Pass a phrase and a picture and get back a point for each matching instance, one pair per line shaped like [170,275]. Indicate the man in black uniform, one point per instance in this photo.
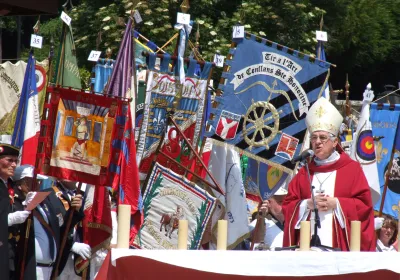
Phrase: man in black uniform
[8,218]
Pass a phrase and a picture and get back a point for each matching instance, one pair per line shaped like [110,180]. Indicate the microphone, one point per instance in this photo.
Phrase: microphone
[304,155]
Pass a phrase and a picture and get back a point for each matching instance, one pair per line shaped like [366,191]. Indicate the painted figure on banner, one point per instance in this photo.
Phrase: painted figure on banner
[171,220]
[341,190]
[81,127]
[82,135]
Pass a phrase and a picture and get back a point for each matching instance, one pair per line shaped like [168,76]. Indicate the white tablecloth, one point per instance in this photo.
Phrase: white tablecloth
[265,263]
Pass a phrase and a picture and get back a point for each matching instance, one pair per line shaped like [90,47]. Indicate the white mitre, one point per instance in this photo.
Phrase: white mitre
[323,116]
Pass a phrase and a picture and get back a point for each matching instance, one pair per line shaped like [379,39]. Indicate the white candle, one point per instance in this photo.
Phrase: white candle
[182,234]
[222,237]
[124,225]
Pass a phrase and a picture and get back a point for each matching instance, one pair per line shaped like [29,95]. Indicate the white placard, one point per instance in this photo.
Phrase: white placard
[219,60]
[183,18]
[238,32]
[137,17]
[321,36]
[65,18]
[94,56]
[368,95]
[36,41]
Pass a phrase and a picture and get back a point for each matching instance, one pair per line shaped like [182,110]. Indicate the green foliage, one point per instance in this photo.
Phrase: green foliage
[199,229]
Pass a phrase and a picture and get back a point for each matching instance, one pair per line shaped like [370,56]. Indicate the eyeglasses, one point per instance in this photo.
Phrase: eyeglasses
[11,160]
[322,138]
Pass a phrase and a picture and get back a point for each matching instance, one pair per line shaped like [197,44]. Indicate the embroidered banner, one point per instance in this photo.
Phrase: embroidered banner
[11,81]
[169,198]
[266,96]
[160,95]
[80,128]
[263,180]
[384,121]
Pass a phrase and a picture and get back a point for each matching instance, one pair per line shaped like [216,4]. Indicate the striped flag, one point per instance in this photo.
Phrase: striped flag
[27,122]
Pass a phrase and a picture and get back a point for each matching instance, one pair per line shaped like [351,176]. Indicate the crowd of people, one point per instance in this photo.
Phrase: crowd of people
[32,239]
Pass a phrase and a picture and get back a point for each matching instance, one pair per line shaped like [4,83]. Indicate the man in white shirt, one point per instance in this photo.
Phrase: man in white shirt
[270,230]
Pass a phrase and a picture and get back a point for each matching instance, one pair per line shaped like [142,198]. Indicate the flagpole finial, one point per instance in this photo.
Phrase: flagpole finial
[66,4]
[185,6]
[108,53]
[36,27]
[321,23]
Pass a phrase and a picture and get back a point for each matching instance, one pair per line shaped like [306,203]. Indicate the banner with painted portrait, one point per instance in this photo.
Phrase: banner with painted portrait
[169,198]
[80,132]
[267,92]
[162,90]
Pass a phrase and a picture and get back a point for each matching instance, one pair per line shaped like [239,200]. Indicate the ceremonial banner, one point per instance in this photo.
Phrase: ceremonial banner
[169,198]
[392,198]
[120,83]
[266,96]
[123,168]
[224,165]
[384,120]
[263,180]
[11,81]
[102,72]
[160,95]
[81,126]
[363,151]
[67,71]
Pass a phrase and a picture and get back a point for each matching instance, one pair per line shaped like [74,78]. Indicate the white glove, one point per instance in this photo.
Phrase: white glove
[29,198]
[82,250]
[17,217]
[378,222]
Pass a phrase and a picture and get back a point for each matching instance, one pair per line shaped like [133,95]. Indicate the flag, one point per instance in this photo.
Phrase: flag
[225,167]
[384,120]
[363,151]
[126,173]
[120,83]
[392,197]
[267,92]
[96,225]
[27,123]
[67,71]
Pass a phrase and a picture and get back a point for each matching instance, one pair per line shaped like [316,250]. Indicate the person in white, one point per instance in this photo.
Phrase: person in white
[386,235]
[271,228]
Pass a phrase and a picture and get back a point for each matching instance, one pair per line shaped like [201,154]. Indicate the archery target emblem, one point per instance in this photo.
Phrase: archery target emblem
[40,74]
[365,146]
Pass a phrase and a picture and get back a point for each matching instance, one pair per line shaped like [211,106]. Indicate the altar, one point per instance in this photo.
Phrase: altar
[237,265]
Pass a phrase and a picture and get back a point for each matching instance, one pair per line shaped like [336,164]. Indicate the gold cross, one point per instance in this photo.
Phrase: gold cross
[320,112]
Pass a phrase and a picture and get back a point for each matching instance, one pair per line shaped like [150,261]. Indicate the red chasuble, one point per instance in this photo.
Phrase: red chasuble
[352,191]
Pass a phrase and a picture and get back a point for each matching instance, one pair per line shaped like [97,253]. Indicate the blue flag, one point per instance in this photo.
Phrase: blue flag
[384,120]
[266,96]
